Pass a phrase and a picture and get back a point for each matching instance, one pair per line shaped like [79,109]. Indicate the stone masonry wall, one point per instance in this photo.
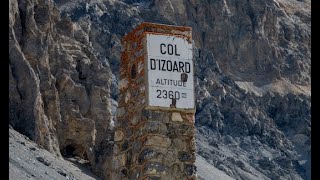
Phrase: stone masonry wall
[149,144]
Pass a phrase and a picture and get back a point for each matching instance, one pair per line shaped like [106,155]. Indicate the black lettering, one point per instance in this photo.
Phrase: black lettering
[165,96]
[158,81]
[181,65]
[159,64]
[159,91]
[175,83]
[177,95]
[169,67]
[188,67]
[170,49]
[161,50]
[152,64]
[170,94]
[163,65]
[175,67]
[176,51]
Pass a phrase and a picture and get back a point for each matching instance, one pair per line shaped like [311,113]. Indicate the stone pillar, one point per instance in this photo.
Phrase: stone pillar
[150,142]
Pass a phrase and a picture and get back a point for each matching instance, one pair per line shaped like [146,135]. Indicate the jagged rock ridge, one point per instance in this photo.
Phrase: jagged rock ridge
[252,62]
[59,88]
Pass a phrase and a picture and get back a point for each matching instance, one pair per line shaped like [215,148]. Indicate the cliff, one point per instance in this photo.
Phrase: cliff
[252,77]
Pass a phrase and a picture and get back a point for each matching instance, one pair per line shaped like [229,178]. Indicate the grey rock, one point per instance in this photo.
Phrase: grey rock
[252,77]
[147,154]
[24,164]
[190,169]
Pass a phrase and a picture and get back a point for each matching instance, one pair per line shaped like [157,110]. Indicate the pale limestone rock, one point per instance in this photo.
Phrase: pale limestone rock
[119,135]
[119,160]
[176,117]
[161,141]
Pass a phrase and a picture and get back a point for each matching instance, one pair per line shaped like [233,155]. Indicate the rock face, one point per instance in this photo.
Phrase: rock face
[59,88]
[252,77]
[28,160]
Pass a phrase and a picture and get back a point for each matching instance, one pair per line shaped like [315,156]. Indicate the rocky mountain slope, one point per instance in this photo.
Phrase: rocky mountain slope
[28,160]
[252,68]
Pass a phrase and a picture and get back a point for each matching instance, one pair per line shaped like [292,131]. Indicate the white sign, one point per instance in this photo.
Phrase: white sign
[170,72]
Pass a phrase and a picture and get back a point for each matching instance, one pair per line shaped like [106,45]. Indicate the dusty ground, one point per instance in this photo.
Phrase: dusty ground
[29,161]
[208,172]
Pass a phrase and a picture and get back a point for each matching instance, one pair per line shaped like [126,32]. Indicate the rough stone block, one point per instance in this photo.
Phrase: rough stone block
[146,113]
[124,145]
[186,156]
[185,130]
[150,127]
[163,130]
[147,154]
[180,144]
[140,81]
[119,135]
[192,144]
[158,141]
[116,149]
[121,112]
[123,84]
[135,119]
[176,130]
[171,130]
[176,117]
[189,118]
[127,97]
[152,178]
[156,115]
[190,169]
[170,157]
[119,160]
[184,143]
[140,101]
[129,132]
[123,172]
[136,147]
[154,168]
[140,67]
[135,93]
[135,174]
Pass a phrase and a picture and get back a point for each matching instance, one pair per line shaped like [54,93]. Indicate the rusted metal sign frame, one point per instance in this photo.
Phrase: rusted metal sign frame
[188,110]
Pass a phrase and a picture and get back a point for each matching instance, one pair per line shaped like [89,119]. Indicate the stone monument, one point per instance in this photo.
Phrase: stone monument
[154,129]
